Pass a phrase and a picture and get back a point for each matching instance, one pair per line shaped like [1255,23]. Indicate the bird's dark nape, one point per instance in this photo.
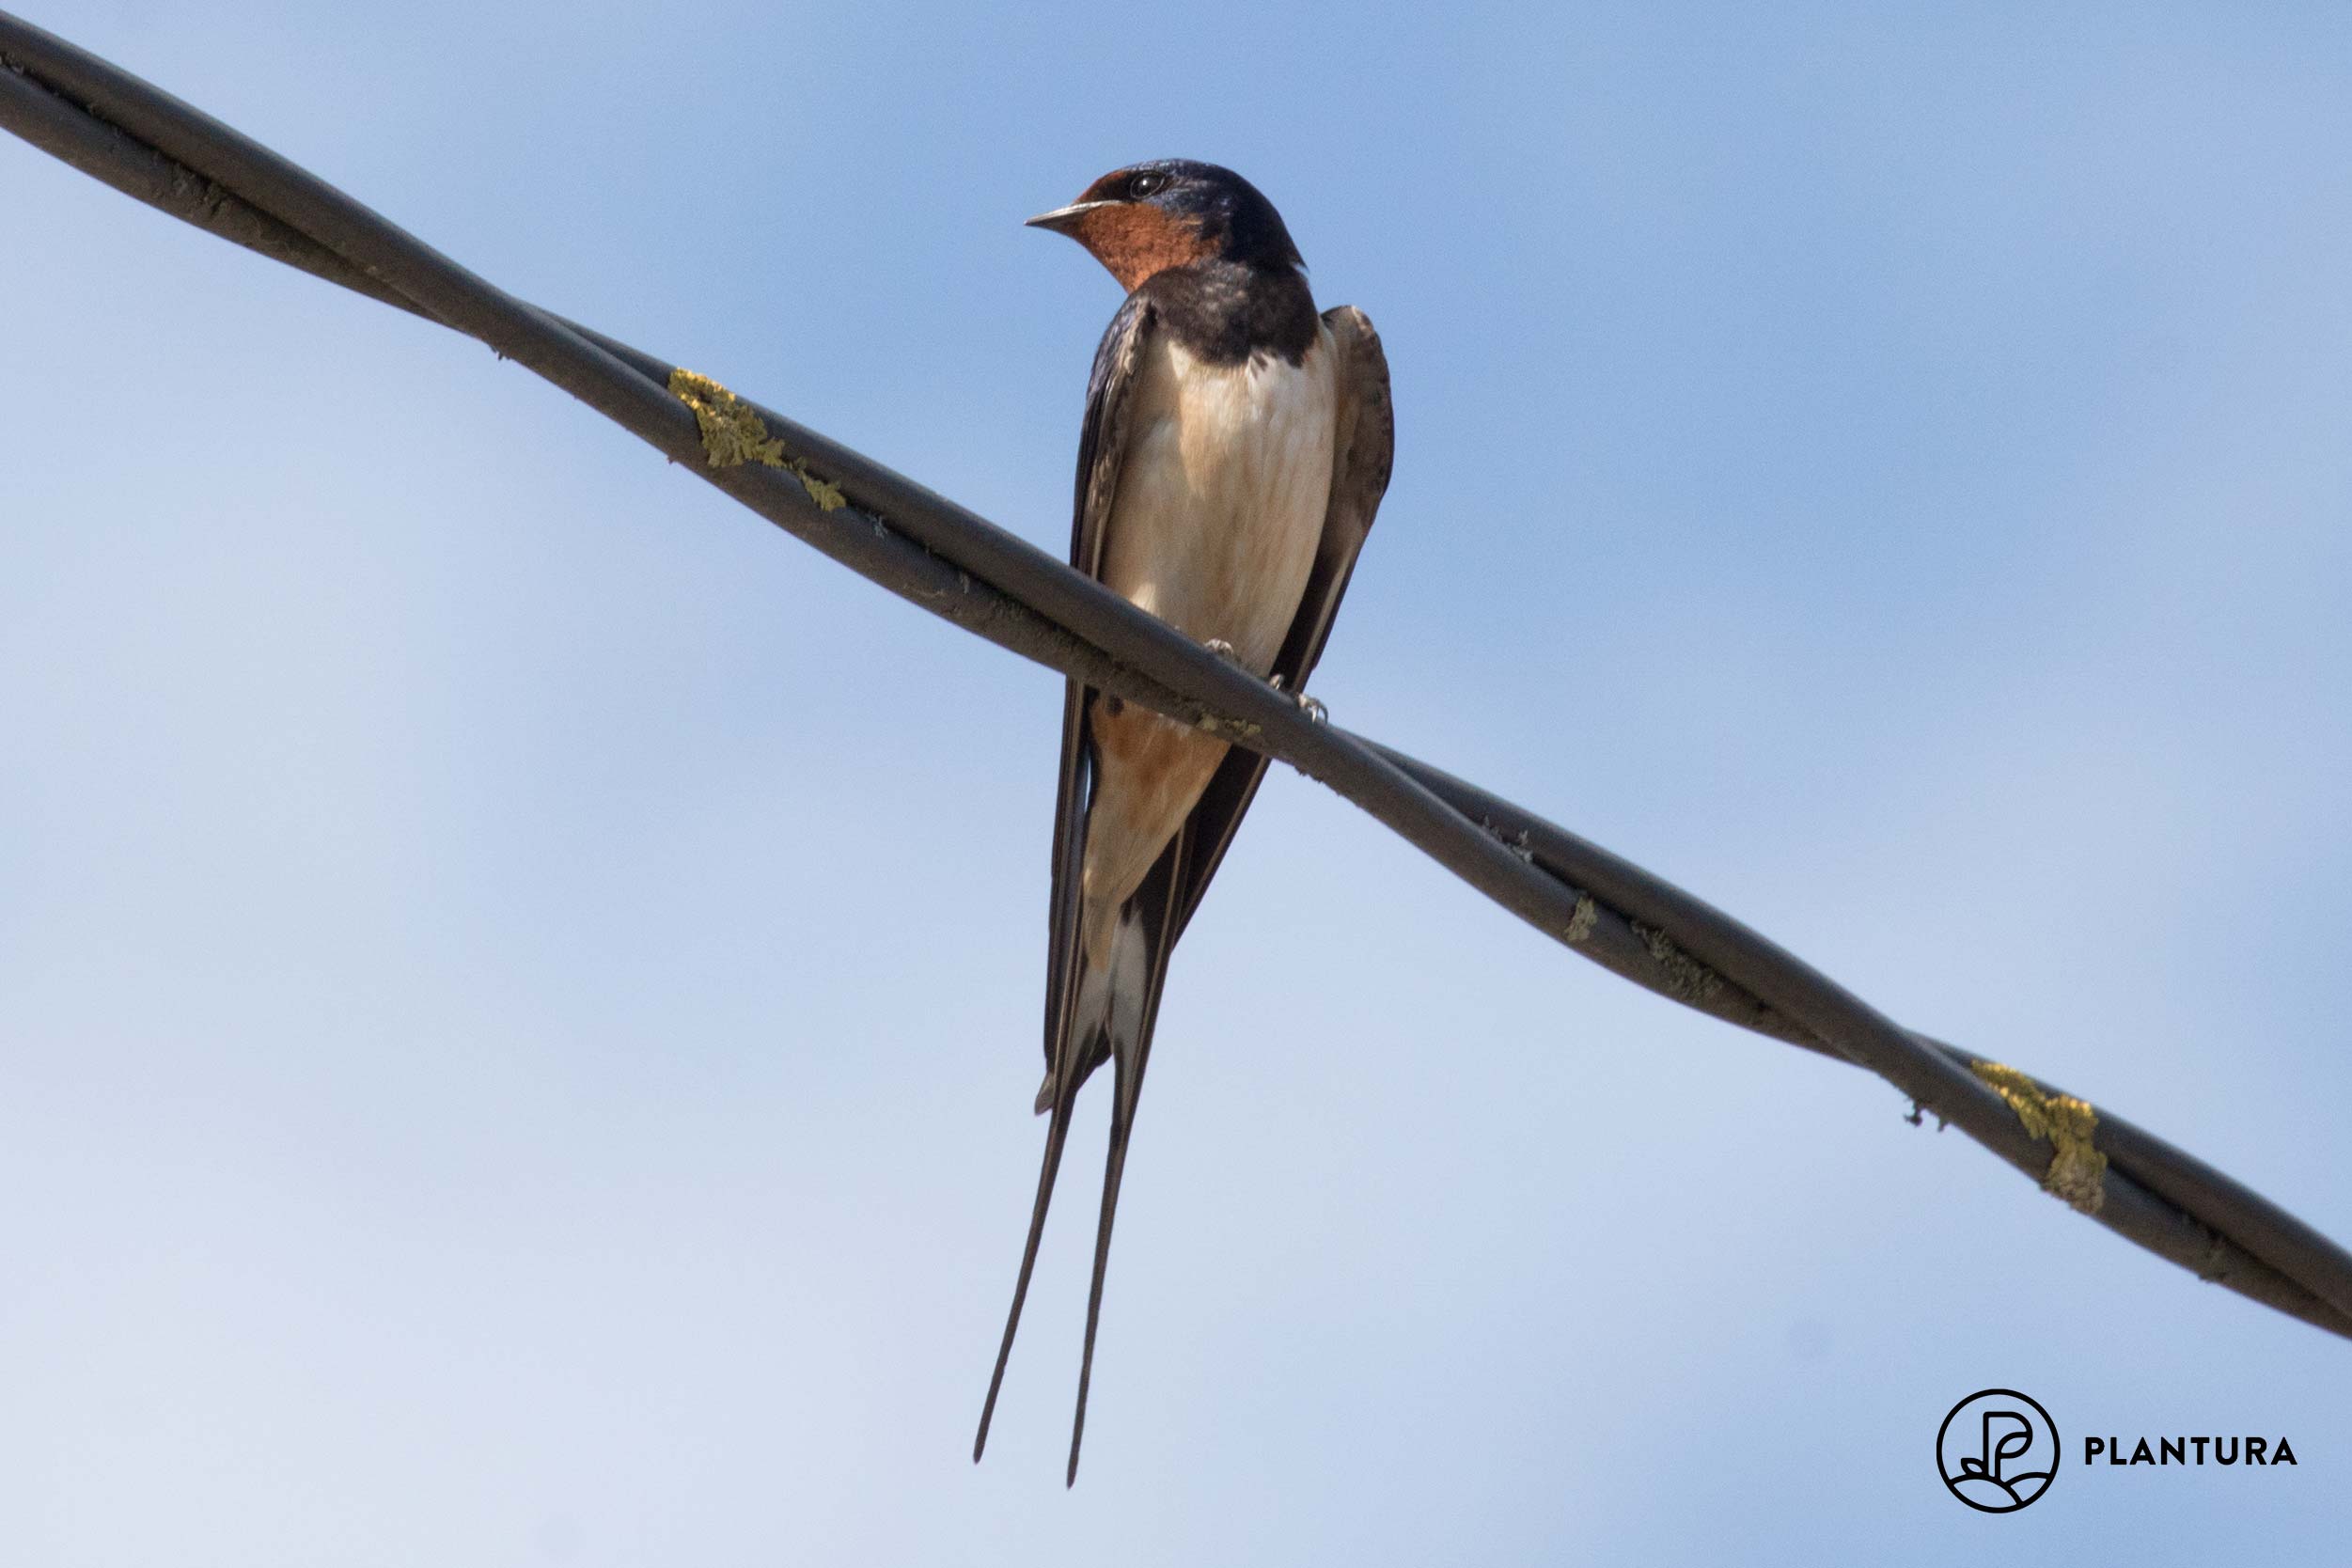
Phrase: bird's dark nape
[1236,213]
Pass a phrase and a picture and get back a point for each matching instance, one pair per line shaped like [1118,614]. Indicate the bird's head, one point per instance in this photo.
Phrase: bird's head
[1172,212]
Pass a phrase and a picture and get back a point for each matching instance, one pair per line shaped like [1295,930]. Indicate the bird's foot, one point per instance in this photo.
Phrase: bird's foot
[1314,711]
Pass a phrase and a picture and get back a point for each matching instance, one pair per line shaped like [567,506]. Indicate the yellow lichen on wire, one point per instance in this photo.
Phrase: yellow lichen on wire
[1684,976]
[1583,919]
[2077,1171]
[733,433]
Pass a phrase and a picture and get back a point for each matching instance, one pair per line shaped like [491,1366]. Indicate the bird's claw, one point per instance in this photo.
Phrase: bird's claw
[1314,711]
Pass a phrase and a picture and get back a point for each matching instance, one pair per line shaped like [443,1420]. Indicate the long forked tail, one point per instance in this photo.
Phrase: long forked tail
[1112,1010]
[1106,1000]
[1107,1007]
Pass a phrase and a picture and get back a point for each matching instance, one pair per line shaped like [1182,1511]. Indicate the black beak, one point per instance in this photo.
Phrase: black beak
[1061,220]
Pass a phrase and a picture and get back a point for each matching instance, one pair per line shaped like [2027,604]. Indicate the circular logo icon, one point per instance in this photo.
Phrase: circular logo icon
[1997,1450]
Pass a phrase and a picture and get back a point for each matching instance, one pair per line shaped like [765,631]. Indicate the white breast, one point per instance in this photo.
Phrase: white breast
[1222,491]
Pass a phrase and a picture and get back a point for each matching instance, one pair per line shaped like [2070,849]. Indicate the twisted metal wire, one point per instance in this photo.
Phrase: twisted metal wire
[936,554]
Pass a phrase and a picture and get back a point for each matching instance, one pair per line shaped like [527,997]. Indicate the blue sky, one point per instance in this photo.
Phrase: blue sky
[520,981]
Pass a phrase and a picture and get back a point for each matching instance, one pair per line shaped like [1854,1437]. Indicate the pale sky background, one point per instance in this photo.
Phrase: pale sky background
[519,983]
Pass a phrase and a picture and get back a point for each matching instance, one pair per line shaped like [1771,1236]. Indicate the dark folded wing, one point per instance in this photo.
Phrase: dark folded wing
[1101,446]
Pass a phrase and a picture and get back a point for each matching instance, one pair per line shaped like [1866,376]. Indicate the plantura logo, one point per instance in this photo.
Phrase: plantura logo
[1996,1451]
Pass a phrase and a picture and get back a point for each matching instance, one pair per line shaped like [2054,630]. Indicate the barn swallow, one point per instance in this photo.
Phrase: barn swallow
[1235,449]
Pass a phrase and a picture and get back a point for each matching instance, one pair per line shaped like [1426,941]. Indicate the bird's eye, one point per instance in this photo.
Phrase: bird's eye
[1145,184]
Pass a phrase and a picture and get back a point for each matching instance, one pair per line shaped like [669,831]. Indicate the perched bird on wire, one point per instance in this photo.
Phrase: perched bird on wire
[1235,449]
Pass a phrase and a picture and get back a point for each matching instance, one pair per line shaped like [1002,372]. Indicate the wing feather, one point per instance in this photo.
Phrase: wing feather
[1102,446]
